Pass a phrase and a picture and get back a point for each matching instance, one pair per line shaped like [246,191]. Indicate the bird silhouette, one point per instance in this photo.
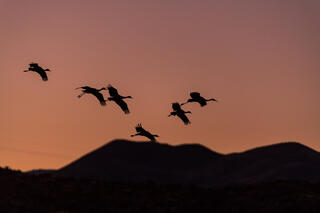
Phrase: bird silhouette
[93,91]
[177,111]
[196,97]
[142,132]
[34,67]
[118,99]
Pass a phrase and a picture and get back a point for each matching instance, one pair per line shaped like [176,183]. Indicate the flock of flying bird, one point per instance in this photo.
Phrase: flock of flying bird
[118,99]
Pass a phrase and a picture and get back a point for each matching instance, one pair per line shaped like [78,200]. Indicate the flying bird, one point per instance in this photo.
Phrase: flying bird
[118,99]
[142,132]
[196,97]
[93,91]
[34,67]
[177,111]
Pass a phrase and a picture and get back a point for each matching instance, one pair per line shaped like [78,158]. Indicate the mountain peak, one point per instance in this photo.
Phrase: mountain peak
[124,160]
[122,143]
[287,147]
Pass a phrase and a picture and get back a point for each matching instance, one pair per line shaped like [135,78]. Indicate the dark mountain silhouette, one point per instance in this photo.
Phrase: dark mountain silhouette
[122,160]
[40,171]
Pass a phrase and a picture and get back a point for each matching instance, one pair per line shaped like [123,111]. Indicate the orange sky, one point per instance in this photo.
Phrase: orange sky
[260,59]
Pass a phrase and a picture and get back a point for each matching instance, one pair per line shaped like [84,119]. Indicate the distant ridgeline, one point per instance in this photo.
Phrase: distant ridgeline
[122,160]
[7,170]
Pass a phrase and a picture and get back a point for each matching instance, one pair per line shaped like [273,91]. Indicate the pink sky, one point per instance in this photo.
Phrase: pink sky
[260,59]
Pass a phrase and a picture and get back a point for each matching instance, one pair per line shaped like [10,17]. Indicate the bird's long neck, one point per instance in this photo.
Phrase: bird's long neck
[187,112]
[101,89]
[189,100]
[123,97]
[212,99]
[47,70]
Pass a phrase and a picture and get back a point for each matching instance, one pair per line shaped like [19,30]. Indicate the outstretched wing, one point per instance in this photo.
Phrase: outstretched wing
[33,65]
[174,113]
[43,75]
[184,118]
[100,97]
[112,91]
[195,95]
[123,105]
[176,106]
[150,136]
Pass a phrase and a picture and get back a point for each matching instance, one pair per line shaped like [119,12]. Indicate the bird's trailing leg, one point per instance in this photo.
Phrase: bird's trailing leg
[135,135]
[212,99]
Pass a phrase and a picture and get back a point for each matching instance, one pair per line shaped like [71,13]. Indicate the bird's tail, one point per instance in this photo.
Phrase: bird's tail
[103,103]
[202,104]
[186,122]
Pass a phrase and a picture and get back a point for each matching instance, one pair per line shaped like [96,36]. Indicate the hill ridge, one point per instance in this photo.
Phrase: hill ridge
[125,160]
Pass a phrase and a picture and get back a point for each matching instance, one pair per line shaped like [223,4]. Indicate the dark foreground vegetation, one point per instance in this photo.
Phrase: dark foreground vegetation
[44,193]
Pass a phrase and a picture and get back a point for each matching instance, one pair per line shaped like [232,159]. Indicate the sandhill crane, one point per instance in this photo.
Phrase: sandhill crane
[142,132]
[196,97]
[118,99]
[177,111]
[93,91]
[34,67]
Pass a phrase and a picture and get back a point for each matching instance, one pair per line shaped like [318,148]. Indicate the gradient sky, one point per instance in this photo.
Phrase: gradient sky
[259,58]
